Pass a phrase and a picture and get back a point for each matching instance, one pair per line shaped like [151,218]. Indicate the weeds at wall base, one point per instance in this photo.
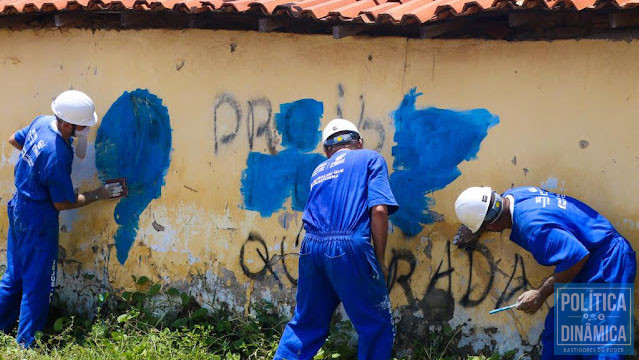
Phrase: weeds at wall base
[165,323]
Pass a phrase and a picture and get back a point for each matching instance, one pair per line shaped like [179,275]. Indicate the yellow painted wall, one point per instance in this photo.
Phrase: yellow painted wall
[548,95]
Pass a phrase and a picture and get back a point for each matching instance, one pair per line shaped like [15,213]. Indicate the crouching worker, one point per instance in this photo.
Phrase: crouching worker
[558,231]
[348,205]
[43,188]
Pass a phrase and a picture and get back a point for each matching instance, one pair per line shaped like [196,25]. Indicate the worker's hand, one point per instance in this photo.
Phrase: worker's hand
[112,190]
[530,301]
[465,239]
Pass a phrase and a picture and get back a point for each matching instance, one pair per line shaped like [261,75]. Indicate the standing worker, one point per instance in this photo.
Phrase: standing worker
[43,188]
[349,203]
[558,231]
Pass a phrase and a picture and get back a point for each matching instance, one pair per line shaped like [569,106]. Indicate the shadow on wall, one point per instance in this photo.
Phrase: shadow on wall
[270,179]
[134,142]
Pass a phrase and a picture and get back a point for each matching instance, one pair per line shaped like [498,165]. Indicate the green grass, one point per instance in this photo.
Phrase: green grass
[137,325]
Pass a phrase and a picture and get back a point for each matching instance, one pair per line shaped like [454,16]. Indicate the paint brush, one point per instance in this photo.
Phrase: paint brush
[503,309]
[122,182]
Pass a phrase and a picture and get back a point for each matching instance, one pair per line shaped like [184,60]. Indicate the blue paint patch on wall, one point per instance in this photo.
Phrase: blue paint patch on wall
[298,122]
[134,141]
[430,143]
[270,179]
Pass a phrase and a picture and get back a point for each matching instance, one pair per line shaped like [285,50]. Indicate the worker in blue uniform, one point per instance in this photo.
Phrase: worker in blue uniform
[43,188]
[348,205]
[558,231]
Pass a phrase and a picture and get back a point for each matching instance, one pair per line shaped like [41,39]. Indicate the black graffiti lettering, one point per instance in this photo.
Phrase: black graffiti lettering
[379,129]
[340,99]
[254,237]
[366,123]
[229,100]
[521,282]
[267,265]
[284,266]
[440,274]
[299,235]
[480,248]
[267,262]
[263,128]
[402,255]
[283,255]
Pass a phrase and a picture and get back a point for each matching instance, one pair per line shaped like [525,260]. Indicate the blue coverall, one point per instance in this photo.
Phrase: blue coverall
[337,261]
[42,177]
[560,230]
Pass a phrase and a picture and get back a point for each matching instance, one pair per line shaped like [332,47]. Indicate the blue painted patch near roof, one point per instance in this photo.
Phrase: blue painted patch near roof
[269,180]
[430,143]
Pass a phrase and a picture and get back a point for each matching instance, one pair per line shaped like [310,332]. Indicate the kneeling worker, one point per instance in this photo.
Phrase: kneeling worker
[43,188]
[558,231]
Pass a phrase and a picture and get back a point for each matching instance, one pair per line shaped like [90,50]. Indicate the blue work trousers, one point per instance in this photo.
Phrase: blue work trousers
[27,284]
[337,269]
[613,264]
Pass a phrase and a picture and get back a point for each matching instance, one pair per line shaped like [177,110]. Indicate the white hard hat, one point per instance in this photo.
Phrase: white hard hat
[75,107]
[338,125]
[472,205]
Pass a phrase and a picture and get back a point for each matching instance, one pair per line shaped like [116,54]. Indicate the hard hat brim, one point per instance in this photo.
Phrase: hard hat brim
[93,120]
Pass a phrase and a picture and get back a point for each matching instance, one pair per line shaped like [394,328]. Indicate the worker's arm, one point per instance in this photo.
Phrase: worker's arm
[379,230]
[14,142]
[532,300]
[103,192]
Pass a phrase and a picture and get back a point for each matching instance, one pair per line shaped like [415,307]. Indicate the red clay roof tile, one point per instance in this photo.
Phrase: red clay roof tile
[322,9]
[362,11]
[268,6]
[376,10]
[405,9]
[353,9]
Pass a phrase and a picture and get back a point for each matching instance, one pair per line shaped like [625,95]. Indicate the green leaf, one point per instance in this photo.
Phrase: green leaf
[138,297]
[335,356]
[447,330]
[127,295]
[319,355]
[185,298]
[101,330]
[123,318]
[173,292]
[142,280]
[103,297]
[510,354]
[59,323]
[199,313]
[179,322]
[154,289]
[495,356]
